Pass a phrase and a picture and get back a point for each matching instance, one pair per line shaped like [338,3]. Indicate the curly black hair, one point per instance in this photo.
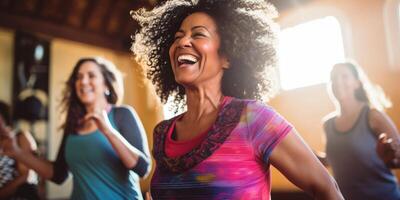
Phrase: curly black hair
[248,39]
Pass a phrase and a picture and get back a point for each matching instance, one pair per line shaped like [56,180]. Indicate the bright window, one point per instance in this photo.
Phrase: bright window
[168,110]
[391,16]
[398,14]
[308,51]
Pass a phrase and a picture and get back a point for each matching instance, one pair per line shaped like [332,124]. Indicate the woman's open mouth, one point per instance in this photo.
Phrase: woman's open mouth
[185,60]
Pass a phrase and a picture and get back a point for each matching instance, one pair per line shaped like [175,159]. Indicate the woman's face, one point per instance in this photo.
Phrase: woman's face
[344,83]
[194,54]
[90,85]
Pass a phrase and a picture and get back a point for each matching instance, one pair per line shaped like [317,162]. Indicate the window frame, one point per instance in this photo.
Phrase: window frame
[391,19]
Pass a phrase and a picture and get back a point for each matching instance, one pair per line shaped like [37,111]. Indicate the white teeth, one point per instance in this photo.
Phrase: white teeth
[86,90]
[187,57]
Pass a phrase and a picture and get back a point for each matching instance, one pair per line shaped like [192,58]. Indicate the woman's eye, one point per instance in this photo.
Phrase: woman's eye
[177,37]
[199,35]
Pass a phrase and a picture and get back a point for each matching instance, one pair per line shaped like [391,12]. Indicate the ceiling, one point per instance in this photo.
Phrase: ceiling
[104,23]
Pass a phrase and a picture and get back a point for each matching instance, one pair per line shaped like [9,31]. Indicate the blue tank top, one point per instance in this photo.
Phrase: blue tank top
[98,173]
[358,170]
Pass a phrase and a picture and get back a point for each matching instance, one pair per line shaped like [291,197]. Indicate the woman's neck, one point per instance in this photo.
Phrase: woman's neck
[201,102]
[98,105]
[350,107]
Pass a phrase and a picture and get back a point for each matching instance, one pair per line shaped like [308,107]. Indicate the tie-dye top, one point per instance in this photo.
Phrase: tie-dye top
[232,162]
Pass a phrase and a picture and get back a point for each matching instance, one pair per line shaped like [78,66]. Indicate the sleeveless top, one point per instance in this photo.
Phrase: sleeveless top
[357,168]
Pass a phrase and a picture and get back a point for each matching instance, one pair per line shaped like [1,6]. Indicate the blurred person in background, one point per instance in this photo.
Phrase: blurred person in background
[362,140]
[17,181]
[104,145]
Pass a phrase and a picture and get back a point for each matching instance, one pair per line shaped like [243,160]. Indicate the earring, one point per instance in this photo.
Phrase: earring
[107,92]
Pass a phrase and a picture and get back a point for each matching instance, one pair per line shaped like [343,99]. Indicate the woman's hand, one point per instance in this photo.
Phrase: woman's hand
[101,120]
[8,142]
[386,149]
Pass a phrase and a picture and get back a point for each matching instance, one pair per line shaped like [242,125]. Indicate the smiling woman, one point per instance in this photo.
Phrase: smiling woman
[250,67]
[215,54]
[360,132]
[199,61]
[104,145]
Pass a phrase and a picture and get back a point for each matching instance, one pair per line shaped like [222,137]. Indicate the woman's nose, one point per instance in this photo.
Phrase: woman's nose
[185,41]
[84,80]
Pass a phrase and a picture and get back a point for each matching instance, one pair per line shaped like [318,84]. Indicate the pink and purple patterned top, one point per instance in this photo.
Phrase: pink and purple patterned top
[232,162]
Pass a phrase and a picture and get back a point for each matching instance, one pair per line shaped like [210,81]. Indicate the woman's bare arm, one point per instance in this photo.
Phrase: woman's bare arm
[295,160]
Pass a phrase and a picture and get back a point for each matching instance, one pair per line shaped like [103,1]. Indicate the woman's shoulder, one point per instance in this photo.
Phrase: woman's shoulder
[377,118]
[258,106]
[123,108]
[375,114]
[257,111]
[163,126]
[328,118]
[124,111]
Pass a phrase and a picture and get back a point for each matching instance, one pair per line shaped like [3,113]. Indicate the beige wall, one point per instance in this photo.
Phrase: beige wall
[6,64]
[364,26]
